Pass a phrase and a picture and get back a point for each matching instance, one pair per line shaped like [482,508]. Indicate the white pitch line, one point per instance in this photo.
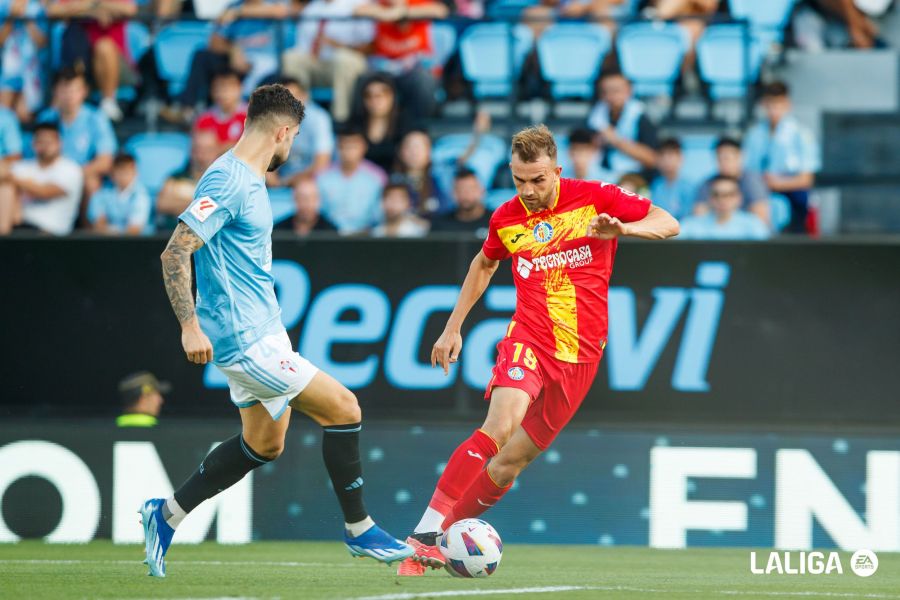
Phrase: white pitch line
[617,588]
[213,563]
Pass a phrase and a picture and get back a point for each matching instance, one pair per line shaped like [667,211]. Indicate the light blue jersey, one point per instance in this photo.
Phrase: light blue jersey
[236,302]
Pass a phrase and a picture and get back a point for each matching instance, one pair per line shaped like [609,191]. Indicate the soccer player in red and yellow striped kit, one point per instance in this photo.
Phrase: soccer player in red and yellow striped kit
[561,235]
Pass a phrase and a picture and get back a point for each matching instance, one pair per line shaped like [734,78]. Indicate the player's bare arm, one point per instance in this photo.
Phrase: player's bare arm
[176,263]
[657,225]
[446,349]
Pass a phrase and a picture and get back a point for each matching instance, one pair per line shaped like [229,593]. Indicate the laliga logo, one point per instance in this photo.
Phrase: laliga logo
[543,232]
[524,267]
[863,563]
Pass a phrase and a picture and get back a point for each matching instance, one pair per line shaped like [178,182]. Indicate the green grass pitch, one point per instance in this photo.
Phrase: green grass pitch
[324,570]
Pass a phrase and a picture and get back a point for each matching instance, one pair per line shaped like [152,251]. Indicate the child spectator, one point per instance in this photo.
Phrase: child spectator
[785,152]
[726,220]
[668,189]
[351,189]
[398,219]
[228,113]
[123,206]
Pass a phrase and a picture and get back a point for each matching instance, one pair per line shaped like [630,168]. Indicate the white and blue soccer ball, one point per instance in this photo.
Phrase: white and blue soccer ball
[472,548]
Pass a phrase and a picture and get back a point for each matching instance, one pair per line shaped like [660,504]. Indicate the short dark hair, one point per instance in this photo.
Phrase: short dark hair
[228,73]
[123,158]
[464,173]
[719,177]
[776,89]
[613,73]
[274,101]
[397,183]
[47,126]
[669,143]
[581,135]
[350,128]
[70,73]
[728,142]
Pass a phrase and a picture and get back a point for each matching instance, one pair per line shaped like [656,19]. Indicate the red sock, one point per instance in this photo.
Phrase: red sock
[466,462]
[482,495]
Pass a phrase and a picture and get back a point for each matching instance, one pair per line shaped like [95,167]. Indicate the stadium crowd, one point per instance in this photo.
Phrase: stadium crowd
[363,164]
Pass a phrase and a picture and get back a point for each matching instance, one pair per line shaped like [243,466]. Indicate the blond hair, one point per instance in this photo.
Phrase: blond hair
[532,143]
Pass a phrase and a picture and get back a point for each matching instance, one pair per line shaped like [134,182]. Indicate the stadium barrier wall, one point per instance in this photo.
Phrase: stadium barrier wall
[601,485]
[787,333]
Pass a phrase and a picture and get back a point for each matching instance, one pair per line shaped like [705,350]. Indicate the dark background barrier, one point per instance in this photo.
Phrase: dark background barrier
[595,485]
[788,332]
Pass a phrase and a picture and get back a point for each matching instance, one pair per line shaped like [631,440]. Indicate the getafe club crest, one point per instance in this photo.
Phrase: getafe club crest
[516,373]
[543,232]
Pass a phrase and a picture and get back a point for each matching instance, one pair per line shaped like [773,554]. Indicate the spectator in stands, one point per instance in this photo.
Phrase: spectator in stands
[669,189]
[123,205]
[227,115]
[351,189]
[785,152]
[87,134]
[308,217]
[10,136]
[178,190]
[381,120]
[470,214]
[414,165]
[628,135]
[540,16]
[313,146]
[41,194]
[330,51]
[585,157]
[634,183]
[726,220]
[21,86]
[244,40]
[398,220]
[402,41]
[142,400]
[730,162]
[96,38]
[819,24]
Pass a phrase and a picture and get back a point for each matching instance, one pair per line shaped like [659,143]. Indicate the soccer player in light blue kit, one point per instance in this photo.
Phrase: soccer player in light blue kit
[236,325]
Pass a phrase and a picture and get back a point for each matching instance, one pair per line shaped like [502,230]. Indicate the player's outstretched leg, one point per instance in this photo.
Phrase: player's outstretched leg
[466,464]
[335,408]
[261,441]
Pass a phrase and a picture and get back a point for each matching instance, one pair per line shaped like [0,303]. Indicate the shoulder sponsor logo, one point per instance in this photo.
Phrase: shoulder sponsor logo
[203,207]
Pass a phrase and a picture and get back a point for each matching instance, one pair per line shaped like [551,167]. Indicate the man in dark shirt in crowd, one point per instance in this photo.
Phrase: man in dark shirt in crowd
[470,214]
[308,217]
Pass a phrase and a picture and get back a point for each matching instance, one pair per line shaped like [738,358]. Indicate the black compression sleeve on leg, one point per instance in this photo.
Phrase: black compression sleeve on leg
[222,468]
[340,449]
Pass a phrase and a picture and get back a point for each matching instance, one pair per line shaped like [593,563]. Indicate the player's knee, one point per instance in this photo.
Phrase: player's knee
[271,449]
[347,410]
[504,473]
[499,431]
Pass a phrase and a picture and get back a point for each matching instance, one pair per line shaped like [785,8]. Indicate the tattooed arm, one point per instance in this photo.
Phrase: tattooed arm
[176,263]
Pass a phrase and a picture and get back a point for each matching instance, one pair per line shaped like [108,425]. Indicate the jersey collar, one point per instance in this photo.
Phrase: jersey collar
[552,206]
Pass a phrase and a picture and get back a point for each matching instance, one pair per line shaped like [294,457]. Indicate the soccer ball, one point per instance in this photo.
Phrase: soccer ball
[472,548]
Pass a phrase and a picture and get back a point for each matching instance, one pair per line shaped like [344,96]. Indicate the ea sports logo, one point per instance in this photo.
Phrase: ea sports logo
[864,563]
[516,374]
[543,232]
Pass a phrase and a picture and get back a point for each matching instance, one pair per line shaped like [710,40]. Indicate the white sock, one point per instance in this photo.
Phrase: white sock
[360,527]
[431,522]
[177,513]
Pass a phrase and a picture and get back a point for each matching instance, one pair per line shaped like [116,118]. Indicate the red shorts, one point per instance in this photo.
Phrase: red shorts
[556,388]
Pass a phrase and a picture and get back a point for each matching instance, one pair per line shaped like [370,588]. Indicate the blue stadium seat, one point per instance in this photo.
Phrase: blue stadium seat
[158,156]
[508,10]
[699,151]
[650,55]
[767,17]
[625,10]
[562,154]
[586,43]
[496,197]
[443,44]
[282,201]
[781,211]
[485,53]
[729,57]
[137,38]
[174,46]
[490,153]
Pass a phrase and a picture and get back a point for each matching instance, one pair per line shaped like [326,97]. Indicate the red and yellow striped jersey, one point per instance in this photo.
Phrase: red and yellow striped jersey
[561,275]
